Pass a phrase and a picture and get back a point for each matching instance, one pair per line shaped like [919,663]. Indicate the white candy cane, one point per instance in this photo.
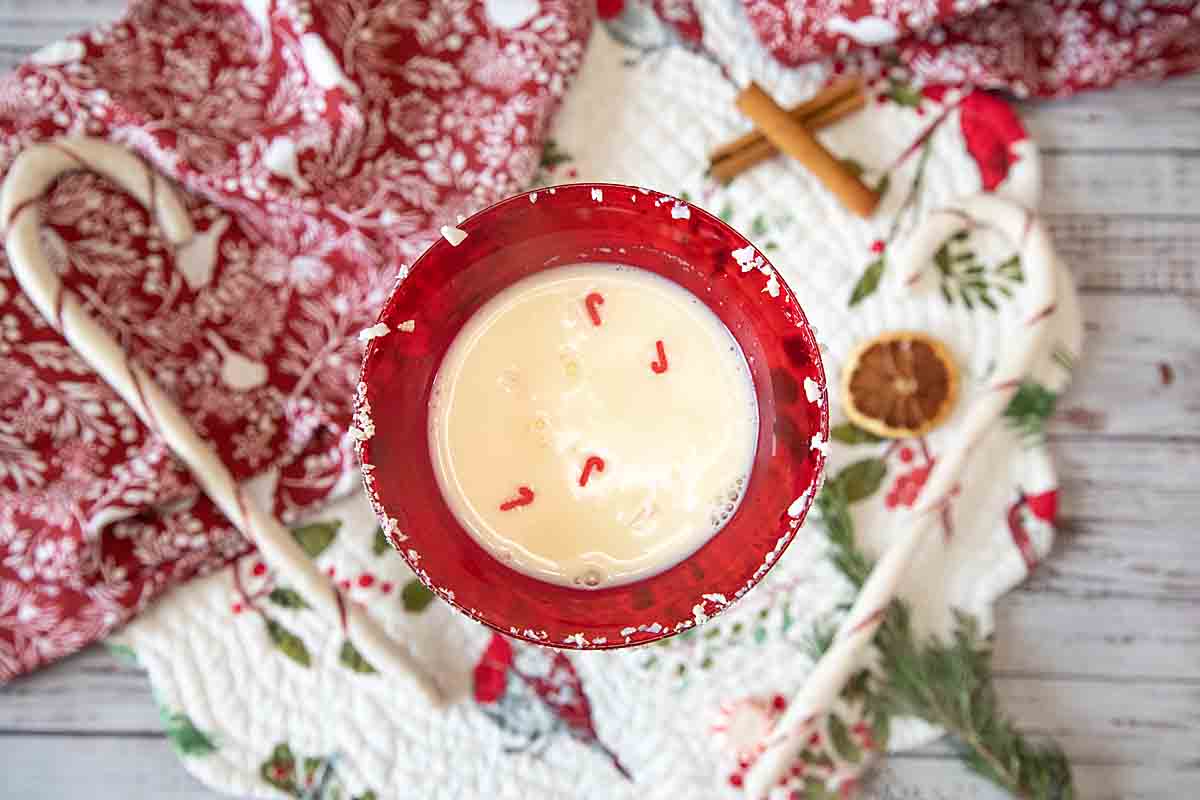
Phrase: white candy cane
[31,176]
[844,657]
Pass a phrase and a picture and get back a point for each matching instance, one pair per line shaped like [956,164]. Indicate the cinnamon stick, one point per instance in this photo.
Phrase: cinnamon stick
[759,149]
[833,94]
[798,142]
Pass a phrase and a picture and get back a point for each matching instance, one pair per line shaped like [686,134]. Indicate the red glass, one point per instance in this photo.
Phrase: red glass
[517,238]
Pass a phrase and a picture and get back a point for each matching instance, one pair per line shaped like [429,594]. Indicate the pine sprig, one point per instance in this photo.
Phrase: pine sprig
[949,684]
[834,508]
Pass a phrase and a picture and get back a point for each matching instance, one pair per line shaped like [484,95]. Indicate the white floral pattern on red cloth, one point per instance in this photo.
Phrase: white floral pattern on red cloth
[323,146]
[1047,48]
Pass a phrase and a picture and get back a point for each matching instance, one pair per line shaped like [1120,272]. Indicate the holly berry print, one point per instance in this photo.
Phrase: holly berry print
[311,777]
[835,755]
[256,592]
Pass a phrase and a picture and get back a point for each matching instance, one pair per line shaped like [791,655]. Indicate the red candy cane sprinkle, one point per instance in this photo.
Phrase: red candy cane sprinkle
[593,302]
[593,463]
[660,365]
[524,497]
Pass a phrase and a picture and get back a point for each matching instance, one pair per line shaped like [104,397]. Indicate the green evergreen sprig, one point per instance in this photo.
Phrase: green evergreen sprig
[946,683]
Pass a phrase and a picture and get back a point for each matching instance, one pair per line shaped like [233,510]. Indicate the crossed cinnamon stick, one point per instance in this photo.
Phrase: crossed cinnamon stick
[791,131]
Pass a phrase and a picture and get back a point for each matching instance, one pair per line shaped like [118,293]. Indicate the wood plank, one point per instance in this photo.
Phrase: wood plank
[88,691]
[1108,484]
[945,778]
[1160,116]
[32,23]
[1046,635]
[1130,253]
[1118,596]
[1128,524]
[1105,722]
[1144,182]
[96,767]
[1120,387]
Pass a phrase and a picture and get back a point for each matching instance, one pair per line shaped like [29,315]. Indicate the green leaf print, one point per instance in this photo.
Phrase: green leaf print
[884,183]
[353,660]
[1029,409]
[903,93]
[868,283]
[123,653]
[1063,357]
[317,536]
[758,226]
[855,168]
[962,276]
[287,598]
[819,639]
[292,645]
[280,769]
[861,479]
[849,433]
[310,778]
[380,544]
[315,773]
[840,737]
[185,737]
[553,155]
[415,596]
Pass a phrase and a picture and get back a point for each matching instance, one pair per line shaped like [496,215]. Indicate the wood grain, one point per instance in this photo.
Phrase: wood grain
[1129,252]
[1157,183]
[1101,648]
[1118,388]
[1135,118]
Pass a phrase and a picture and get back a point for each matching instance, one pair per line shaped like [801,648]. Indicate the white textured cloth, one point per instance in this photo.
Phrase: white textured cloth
[258,707]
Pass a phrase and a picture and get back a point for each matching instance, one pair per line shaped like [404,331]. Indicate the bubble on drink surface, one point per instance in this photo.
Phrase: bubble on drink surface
[509,380]
[726,503]
[590,578]
[540,428]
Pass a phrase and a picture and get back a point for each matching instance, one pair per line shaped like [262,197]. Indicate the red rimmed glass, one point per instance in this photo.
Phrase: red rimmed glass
[555,227]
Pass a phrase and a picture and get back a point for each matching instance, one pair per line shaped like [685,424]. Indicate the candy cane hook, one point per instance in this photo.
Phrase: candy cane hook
[31,176]
[843,658]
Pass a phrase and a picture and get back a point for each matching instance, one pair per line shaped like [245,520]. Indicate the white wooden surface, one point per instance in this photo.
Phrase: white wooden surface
[1101,648]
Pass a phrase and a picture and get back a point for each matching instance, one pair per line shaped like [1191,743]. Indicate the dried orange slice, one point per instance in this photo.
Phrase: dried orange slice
[899,384]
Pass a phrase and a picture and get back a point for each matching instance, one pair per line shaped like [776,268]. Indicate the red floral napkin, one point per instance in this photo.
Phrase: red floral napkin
[1048,48]
[323,145]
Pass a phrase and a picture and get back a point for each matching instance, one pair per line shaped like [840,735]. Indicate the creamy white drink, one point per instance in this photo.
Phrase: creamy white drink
[593,425]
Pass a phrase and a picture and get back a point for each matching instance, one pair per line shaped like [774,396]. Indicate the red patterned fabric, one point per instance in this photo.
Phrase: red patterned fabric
[310,187]
[1047,48]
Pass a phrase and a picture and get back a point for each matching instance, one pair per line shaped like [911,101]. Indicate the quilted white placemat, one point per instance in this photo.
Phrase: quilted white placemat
[260,698]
